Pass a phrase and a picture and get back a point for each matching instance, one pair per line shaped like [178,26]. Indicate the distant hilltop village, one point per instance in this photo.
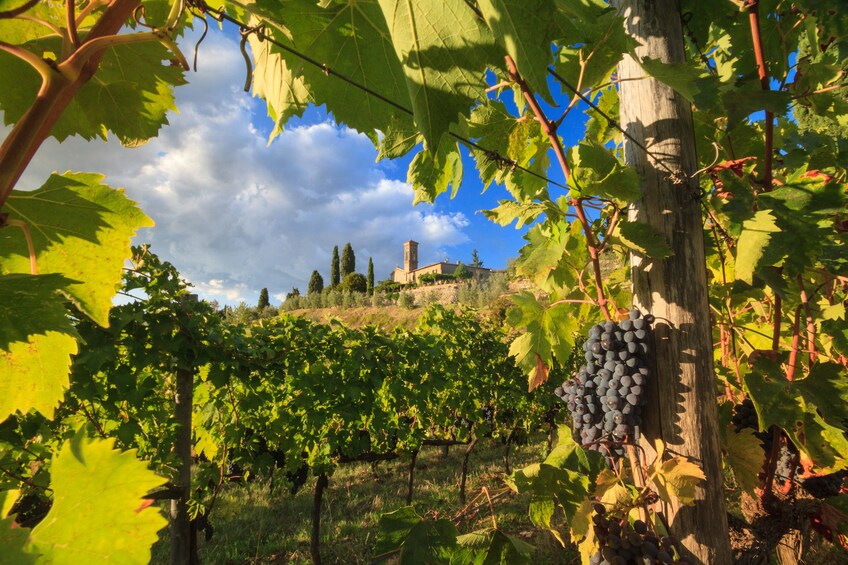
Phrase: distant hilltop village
[410,272]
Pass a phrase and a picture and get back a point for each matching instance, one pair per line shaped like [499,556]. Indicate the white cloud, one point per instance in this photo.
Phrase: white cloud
[234,215]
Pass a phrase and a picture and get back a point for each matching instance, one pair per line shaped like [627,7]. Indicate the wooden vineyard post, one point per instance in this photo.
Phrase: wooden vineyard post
[182,550]
[180,524]
[315,539]
[682,403]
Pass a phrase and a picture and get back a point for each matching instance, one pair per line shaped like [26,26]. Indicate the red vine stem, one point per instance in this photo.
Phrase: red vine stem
[771,463]
[549,128]
[811,325]
[776,314]
[754,19]
[793,353]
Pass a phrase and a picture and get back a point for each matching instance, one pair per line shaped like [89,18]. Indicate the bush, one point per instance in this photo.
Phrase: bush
[406,300]
[355,282]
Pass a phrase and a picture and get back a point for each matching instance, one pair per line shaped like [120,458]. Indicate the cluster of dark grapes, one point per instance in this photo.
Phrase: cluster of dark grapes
[623,543]
[204,525]
[488,412]
[787,467]
[462,422]
[606,395]
[297,478]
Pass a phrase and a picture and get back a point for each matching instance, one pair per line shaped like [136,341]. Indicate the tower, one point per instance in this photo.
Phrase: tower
[410,256]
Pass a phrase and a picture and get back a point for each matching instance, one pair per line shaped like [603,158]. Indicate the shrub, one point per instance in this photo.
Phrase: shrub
[355,282]
[406,300]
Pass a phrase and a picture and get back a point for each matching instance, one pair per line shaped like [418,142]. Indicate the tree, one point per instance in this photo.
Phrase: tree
[348,260]
[263,299]
[316,283]
[295,292]
[370,276]
[475,259]
[462,273]
[355,282]
[334,268]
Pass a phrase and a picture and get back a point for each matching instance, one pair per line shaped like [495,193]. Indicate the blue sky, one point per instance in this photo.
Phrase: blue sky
[234,215]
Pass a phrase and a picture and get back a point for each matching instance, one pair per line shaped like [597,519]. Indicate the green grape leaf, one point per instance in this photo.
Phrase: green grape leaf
[419,541]
[29,305]
[643,239]
[525,30]
[352,39]
[284,92]
[444,49]
[131,94]
[35,373]
[13,540]
[518,139]
[690,81]
[80,229]
[490,547]
[521,213]
[398,140]
[744,457]
[98,514]
[432,173]
[756,235]
[597,172]
[596,45]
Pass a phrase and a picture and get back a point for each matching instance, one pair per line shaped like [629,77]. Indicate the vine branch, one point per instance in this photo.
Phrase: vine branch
[753,7]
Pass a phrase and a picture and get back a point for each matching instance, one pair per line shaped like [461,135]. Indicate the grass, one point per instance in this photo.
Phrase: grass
[255,525]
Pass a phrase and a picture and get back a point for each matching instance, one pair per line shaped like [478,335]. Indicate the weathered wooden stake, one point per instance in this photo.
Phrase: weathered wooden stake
[315,539]
[682,410]
[465,469]
[411,477]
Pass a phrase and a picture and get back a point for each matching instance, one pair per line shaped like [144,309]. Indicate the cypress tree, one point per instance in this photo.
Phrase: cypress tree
[316,283]
[263,299]
[370,278]
[335,278]
[348,260]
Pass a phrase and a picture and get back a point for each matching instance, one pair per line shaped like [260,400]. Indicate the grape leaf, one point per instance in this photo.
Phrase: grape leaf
[676,479]
[597,172]
[444,49]
[131,94]
[526,30]
[432,173]
[744,457]
[419,540]
[349,37]
[29,305]
[522,213]
[35,373]
[98,514]
[756,235]
[81,229]
[13,541]
[643,239]
[490,547]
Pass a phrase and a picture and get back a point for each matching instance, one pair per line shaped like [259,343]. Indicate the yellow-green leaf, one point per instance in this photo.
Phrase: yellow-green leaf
[98,514]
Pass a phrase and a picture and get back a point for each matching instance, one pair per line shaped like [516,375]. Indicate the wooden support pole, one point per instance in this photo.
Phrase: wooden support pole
[315,539]
[682,410]
[411,477]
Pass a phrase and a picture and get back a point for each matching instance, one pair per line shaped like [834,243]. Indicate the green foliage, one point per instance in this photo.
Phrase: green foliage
[406,300]
[97,511]
[370,276]
[263,299]
[355,282]
[462,273]
[316,283]
[348,264]
[335,276]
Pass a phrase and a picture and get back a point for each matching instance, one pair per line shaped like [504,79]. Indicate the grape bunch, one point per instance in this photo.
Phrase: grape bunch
[606,395]
[623,543]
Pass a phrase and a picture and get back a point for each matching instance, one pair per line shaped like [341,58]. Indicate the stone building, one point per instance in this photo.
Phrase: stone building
[411,272]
